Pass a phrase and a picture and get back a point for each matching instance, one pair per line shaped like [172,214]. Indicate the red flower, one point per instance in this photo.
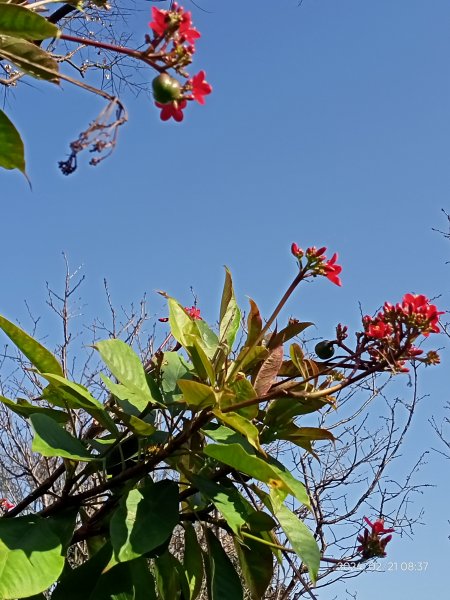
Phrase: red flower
[378,329]
[378,526]
[160,21]
[200,87]
[163,319]
[296,251]
[312,252]
[172,110]
[193,312]
[187,32]
[6,504]
[423,314]
[332,270]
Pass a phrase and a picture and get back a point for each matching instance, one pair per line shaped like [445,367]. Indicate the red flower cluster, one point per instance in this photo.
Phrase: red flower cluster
[193,312]
[317,263]
[371,544]
[175,27]
[6,504]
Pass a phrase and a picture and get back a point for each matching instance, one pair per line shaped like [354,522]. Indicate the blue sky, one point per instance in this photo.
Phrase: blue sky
[329,125]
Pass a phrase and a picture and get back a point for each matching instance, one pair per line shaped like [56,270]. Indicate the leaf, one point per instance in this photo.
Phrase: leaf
[20,22]
[248,359]
[184,329]
[235,456]
[40,357]
[125,365]
[301,539]
[31,555]
[242,425]
[200,360]
[144,520]
[282,410]
[65,393]
[241,390]
[29,58]
[254,324]
[192,561]
[256,562]
[25,409]
[293,328]
[223,581]
[173,368]
[167,571]
[227,500]
[197,395]
[230,314]
[50,439]
[12,152]
[268,371]
[138,426]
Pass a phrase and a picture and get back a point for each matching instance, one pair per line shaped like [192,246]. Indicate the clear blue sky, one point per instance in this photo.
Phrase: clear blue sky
[329,124]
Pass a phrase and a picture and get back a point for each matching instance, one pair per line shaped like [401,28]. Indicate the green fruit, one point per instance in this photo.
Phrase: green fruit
[166,89]
[324,350]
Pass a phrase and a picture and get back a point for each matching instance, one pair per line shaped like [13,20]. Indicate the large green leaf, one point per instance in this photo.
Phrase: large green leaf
[256,562]
[144,520]
[230,314]
[300,537]
[236,456]
[242,390]
[29,57]
[223,581]
[32,553]
[184,329]
[197,395]
[12,153]
[23,23]
[192,561]
[170,578]
[42,359]
[25,409]
[227,500]
[69,394]
[125,365]
[173,368]
[50,439]
[241,425]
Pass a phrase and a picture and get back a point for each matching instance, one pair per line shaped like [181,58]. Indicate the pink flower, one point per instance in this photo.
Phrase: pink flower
[193,312]
[160,21]
[200,87]
[332,270]
[172,110]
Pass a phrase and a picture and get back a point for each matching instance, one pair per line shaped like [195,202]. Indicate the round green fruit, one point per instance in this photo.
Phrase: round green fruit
[324,350]
[166,89]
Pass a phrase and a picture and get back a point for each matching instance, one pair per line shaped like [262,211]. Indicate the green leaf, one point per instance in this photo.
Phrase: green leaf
[168,571]
[50,439]
[173,368]
[126,581]
[256,562]
[301,539]
[184,329]
[275,476]
[227,500]
[230,314]
[20,22]
[241,390]
[29,58]
[223,581]
[197,395]
[282,410]
[200,360]
[144,520]
[241,425]
[42,359]
[12,152]
[31,556]
[25,409]
[251,358]
[192,561]
[65,393]
[125,365]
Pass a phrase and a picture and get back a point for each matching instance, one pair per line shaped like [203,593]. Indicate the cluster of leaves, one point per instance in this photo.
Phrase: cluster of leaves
[21,30]
[182,441]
